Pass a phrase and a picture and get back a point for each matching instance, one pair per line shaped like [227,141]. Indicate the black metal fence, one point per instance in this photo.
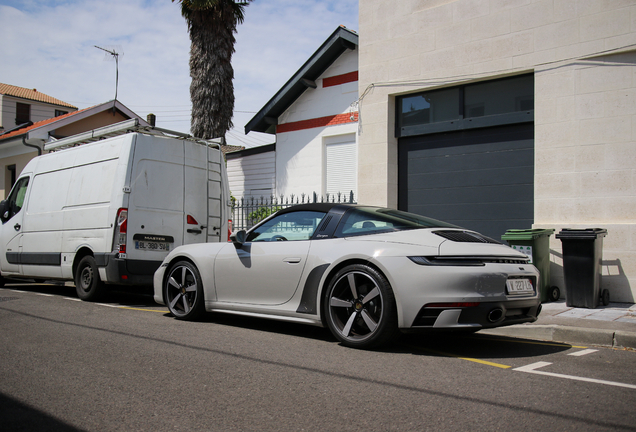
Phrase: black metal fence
[247,212]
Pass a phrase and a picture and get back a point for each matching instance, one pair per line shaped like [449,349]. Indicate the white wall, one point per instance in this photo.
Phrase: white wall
[300,154]
[252,176]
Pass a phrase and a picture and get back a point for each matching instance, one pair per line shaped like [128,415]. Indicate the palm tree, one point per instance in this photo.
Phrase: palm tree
[212,24]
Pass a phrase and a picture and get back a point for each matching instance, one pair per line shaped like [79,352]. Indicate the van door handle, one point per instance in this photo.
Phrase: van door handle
[17,227]
[194,231]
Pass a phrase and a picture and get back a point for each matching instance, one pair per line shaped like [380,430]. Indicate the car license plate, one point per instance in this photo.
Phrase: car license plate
[519,286]
[154,246]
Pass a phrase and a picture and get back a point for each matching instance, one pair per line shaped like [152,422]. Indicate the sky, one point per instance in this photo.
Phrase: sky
[49,45]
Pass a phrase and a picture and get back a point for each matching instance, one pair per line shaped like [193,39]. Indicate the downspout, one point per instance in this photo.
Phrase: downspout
[31,145]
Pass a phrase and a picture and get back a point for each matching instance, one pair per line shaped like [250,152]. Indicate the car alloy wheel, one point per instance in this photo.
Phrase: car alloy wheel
[360,307]
[184,292]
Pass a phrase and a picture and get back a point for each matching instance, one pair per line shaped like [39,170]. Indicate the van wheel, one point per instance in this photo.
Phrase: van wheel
[88,285]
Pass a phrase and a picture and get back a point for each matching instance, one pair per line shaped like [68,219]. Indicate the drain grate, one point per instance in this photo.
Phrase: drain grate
[3,299]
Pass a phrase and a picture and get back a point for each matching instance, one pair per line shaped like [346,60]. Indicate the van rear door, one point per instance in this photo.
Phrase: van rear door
[155,205]
[203,182]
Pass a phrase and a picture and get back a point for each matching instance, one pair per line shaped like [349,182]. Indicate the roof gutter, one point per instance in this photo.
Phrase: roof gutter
[35,146]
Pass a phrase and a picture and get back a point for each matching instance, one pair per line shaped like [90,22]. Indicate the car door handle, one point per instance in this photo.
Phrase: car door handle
[17,227]
[291,260]
[194,231]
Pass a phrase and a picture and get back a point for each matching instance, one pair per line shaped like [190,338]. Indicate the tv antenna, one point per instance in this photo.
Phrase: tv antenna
[115,55]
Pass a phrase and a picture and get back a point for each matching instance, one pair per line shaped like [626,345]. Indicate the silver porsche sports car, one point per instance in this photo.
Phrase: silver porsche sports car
[364,272]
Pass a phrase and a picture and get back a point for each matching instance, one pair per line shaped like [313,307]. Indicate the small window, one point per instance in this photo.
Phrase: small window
[22,113]
[430,107]
[60,113]
[16,199]
[370,220]
[499,97]
[298,225]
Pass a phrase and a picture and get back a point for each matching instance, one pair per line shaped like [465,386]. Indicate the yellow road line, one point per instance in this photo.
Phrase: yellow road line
[143,310]
[445,354]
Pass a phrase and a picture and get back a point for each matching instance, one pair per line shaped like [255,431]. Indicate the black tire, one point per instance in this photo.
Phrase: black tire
[605,297]
[359,307]
[88,285]
[183,291]
[555,293]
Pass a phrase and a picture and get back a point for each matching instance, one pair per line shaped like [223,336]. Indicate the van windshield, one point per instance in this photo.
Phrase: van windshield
[373,220]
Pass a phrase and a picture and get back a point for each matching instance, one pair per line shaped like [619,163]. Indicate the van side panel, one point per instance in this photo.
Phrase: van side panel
[69,207]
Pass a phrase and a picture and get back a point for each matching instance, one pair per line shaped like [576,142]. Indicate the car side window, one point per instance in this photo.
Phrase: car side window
[299,225]
[14,203]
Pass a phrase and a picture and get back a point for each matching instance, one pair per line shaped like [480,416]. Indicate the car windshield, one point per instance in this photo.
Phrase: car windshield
[371,220]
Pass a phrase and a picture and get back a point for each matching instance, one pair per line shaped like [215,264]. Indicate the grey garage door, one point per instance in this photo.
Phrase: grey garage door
[479,179]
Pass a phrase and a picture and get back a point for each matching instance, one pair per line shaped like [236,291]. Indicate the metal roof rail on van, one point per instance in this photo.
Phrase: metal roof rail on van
[117,129]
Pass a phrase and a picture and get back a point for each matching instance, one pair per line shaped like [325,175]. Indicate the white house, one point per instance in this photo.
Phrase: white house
[504,114]
[315,128]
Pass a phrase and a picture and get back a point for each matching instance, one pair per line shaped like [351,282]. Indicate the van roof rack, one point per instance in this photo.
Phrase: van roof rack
[121,128]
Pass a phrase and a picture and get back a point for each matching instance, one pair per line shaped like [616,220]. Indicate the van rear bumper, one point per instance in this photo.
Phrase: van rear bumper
[127,272]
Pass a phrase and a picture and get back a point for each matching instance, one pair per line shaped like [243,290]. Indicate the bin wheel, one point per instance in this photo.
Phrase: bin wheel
[555,293]
[605,297]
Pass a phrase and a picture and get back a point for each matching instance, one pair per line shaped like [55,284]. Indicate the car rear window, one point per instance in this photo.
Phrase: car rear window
[371,220]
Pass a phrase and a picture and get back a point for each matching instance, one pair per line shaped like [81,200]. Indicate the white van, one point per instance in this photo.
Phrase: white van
[109,211]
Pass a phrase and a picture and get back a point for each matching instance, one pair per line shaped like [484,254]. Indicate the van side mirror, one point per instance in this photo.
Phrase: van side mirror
[4,210]
[238,237]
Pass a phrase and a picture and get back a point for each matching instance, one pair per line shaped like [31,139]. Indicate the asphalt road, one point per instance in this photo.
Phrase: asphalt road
[127,365]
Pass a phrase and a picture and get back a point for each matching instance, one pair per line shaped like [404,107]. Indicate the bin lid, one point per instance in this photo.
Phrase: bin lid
[526,234]
[581,234]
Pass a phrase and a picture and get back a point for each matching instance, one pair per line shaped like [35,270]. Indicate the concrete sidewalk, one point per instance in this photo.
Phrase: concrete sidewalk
[613,325]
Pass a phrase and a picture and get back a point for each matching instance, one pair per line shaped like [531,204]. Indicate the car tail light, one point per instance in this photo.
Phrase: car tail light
[121,228]
[229,229]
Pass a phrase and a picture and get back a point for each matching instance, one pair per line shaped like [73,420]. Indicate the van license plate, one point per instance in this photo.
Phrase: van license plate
[519,286]
[155,246]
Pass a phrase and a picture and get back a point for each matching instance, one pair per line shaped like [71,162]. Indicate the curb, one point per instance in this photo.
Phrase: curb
[557,333]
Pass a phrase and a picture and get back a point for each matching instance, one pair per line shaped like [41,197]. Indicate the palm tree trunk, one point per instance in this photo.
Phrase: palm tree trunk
[212,90]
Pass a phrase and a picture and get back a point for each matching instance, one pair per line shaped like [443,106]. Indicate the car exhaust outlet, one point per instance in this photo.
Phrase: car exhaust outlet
[495,315]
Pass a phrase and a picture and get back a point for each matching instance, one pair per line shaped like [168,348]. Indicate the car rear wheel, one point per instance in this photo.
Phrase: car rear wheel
[183,291]
[360,307]
[88,285]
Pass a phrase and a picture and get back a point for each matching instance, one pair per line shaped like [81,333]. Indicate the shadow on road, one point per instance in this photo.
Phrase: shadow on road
[17,416]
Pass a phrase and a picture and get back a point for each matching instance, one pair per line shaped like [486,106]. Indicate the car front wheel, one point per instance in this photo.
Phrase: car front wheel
[183,291]
[360,307]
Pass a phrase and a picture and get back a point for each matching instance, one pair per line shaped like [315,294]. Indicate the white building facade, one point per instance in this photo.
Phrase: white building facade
[315,126]
[501,114]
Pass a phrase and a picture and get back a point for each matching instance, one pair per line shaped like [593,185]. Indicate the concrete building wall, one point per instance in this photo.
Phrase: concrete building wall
[583,58]
[253,175]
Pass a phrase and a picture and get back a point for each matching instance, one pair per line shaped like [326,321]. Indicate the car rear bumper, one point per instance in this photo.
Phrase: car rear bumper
[480,315]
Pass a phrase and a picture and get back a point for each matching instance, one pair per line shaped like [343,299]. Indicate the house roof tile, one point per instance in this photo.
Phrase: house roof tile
[31,94]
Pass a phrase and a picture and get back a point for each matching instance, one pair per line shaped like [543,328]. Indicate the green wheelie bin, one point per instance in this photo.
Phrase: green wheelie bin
[536,244]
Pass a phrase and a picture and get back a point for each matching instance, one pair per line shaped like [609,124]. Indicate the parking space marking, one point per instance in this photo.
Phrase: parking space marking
[445,354]
[583,352]
[532,368]
[73,299]
[44,295]
[143,310]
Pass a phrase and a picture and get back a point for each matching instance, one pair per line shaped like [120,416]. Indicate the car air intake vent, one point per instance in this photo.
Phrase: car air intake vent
[325,224]
[465,237]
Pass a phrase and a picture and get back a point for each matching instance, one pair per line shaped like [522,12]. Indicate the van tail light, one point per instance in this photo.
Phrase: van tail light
[121,228]
[229,229]
[191,221]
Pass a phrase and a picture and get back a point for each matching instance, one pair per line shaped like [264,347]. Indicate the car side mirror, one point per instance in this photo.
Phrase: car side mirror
[238,237]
